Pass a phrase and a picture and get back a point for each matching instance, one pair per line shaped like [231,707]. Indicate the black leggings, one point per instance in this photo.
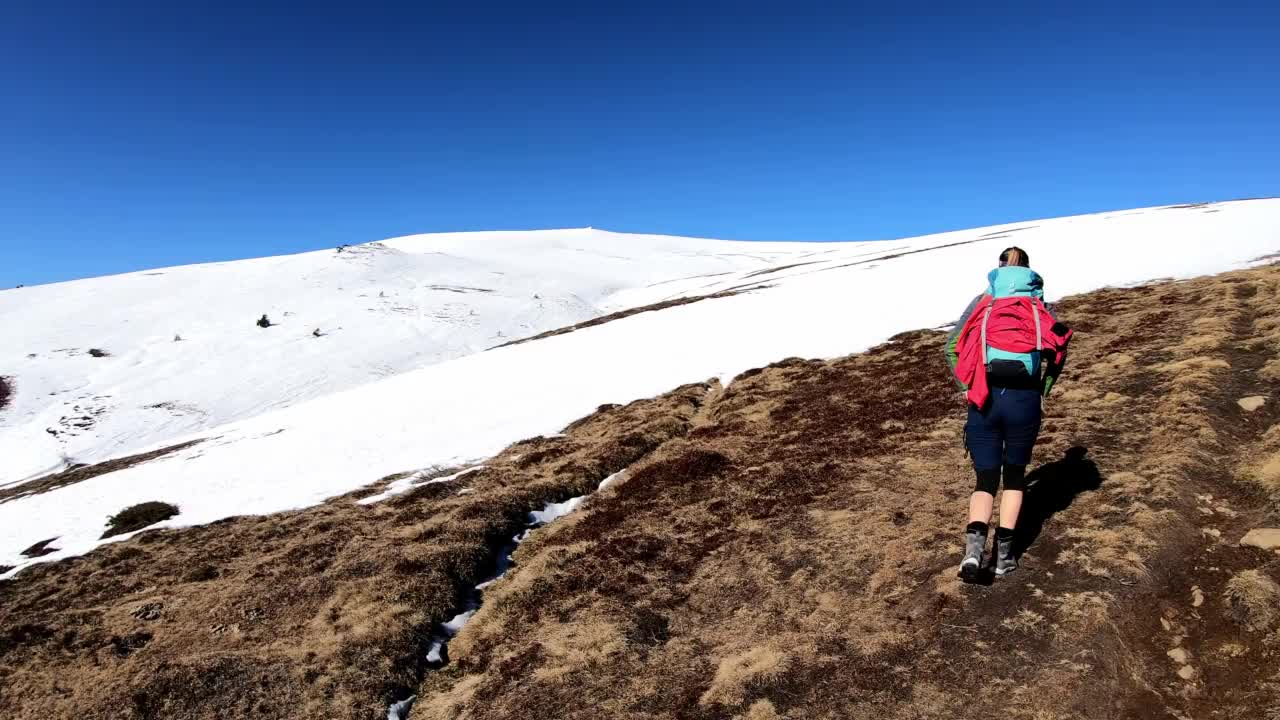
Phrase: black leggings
[989,480]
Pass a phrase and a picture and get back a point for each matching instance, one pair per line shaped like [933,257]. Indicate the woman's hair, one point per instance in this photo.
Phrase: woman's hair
[1015,256]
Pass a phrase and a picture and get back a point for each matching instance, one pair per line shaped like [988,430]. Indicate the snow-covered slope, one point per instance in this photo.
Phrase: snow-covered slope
[382,308]
[822,301]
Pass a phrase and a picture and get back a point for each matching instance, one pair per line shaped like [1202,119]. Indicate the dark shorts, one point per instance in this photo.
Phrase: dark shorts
[1005,432]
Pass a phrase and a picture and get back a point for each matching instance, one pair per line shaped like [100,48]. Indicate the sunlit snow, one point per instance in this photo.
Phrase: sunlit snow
[317,423]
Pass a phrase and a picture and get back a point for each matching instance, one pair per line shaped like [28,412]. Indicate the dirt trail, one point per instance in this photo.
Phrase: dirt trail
[784,547]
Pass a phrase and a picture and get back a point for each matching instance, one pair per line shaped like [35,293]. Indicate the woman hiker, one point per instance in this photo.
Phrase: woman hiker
[996,351]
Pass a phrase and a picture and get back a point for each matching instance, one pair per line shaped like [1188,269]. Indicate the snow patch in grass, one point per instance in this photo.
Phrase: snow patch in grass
[400,710]
[405,484]
[437,652]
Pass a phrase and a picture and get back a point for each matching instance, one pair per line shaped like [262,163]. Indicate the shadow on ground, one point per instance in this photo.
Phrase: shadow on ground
[1051,488]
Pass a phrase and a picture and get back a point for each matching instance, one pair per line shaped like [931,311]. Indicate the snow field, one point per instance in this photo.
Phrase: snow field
[456,412]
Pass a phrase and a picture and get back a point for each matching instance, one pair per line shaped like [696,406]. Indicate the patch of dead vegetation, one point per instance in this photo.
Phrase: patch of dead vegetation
[1254,600]
[137,517]
[324,612]
[80,473]
[1271,371]
[761,710]
[798,546]
[41,548]
[784,547]
[1262,464]
[654,307]
[780,268]
[743,672]
[1027,622]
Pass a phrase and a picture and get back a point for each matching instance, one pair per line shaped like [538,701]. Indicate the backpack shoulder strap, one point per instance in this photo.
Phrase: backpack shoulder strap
[986,316]
[1035,313]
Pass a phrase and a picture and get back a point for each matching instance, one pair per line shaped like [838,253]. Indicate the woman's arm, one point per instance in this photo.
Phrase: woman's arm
[953,356]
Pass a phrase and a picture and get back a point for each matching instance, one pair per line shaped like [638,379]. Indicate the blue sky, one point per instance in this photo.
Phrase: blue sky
[141,134]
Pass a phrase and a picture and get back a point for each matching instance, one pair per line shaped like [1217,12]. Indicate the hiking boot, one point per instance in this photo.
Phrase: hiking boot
[974,544]
[1006,561]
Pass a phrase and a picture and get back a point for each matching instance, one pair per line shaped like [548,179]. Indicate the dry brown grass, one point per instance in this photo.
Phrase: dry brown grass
[739,674]
[798,547]
[1083,611]
[1268,473]
[761,710]
[1254,600]
[316,613]
[782,548]
[1028,622]
[654,307]
[137,517]
[1271,371]
[80,473]
[41,548]
[1261,463]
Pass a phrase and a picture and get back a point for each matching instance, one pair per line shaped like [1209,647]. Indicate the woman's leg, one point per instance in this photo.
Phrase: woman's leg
[1010,506]
[1022,426]
[1021,415]
[982,436]
[980,506]
[986,448]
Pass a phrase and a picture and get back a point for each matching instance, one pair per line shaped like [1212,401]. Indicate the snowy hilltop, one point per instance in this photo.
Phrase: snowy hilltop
[107,366]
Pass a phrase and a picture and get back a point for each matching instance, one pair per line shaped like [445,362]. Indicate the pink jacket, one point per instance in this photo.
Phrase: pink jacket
[1015,324]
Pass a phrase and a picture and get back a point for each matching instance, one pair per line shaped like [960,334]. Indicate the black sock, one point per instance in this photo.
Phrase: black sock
[977,527]
[1004,533]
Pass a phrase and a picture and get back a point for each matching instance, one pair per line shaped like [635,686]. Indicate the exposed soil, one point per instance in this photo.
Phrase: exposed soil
[782,548]
[676,302]
[780,268]
[1002,233]
[894,256]
[80,473]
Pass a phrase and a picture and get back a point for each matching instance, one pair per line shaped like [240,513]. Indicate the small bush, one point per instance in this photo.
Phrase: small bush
[1253,600]
[139,516]
[129,644]
[99,353]
[200,573]
[649,628]
[6,391]
[40,549]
